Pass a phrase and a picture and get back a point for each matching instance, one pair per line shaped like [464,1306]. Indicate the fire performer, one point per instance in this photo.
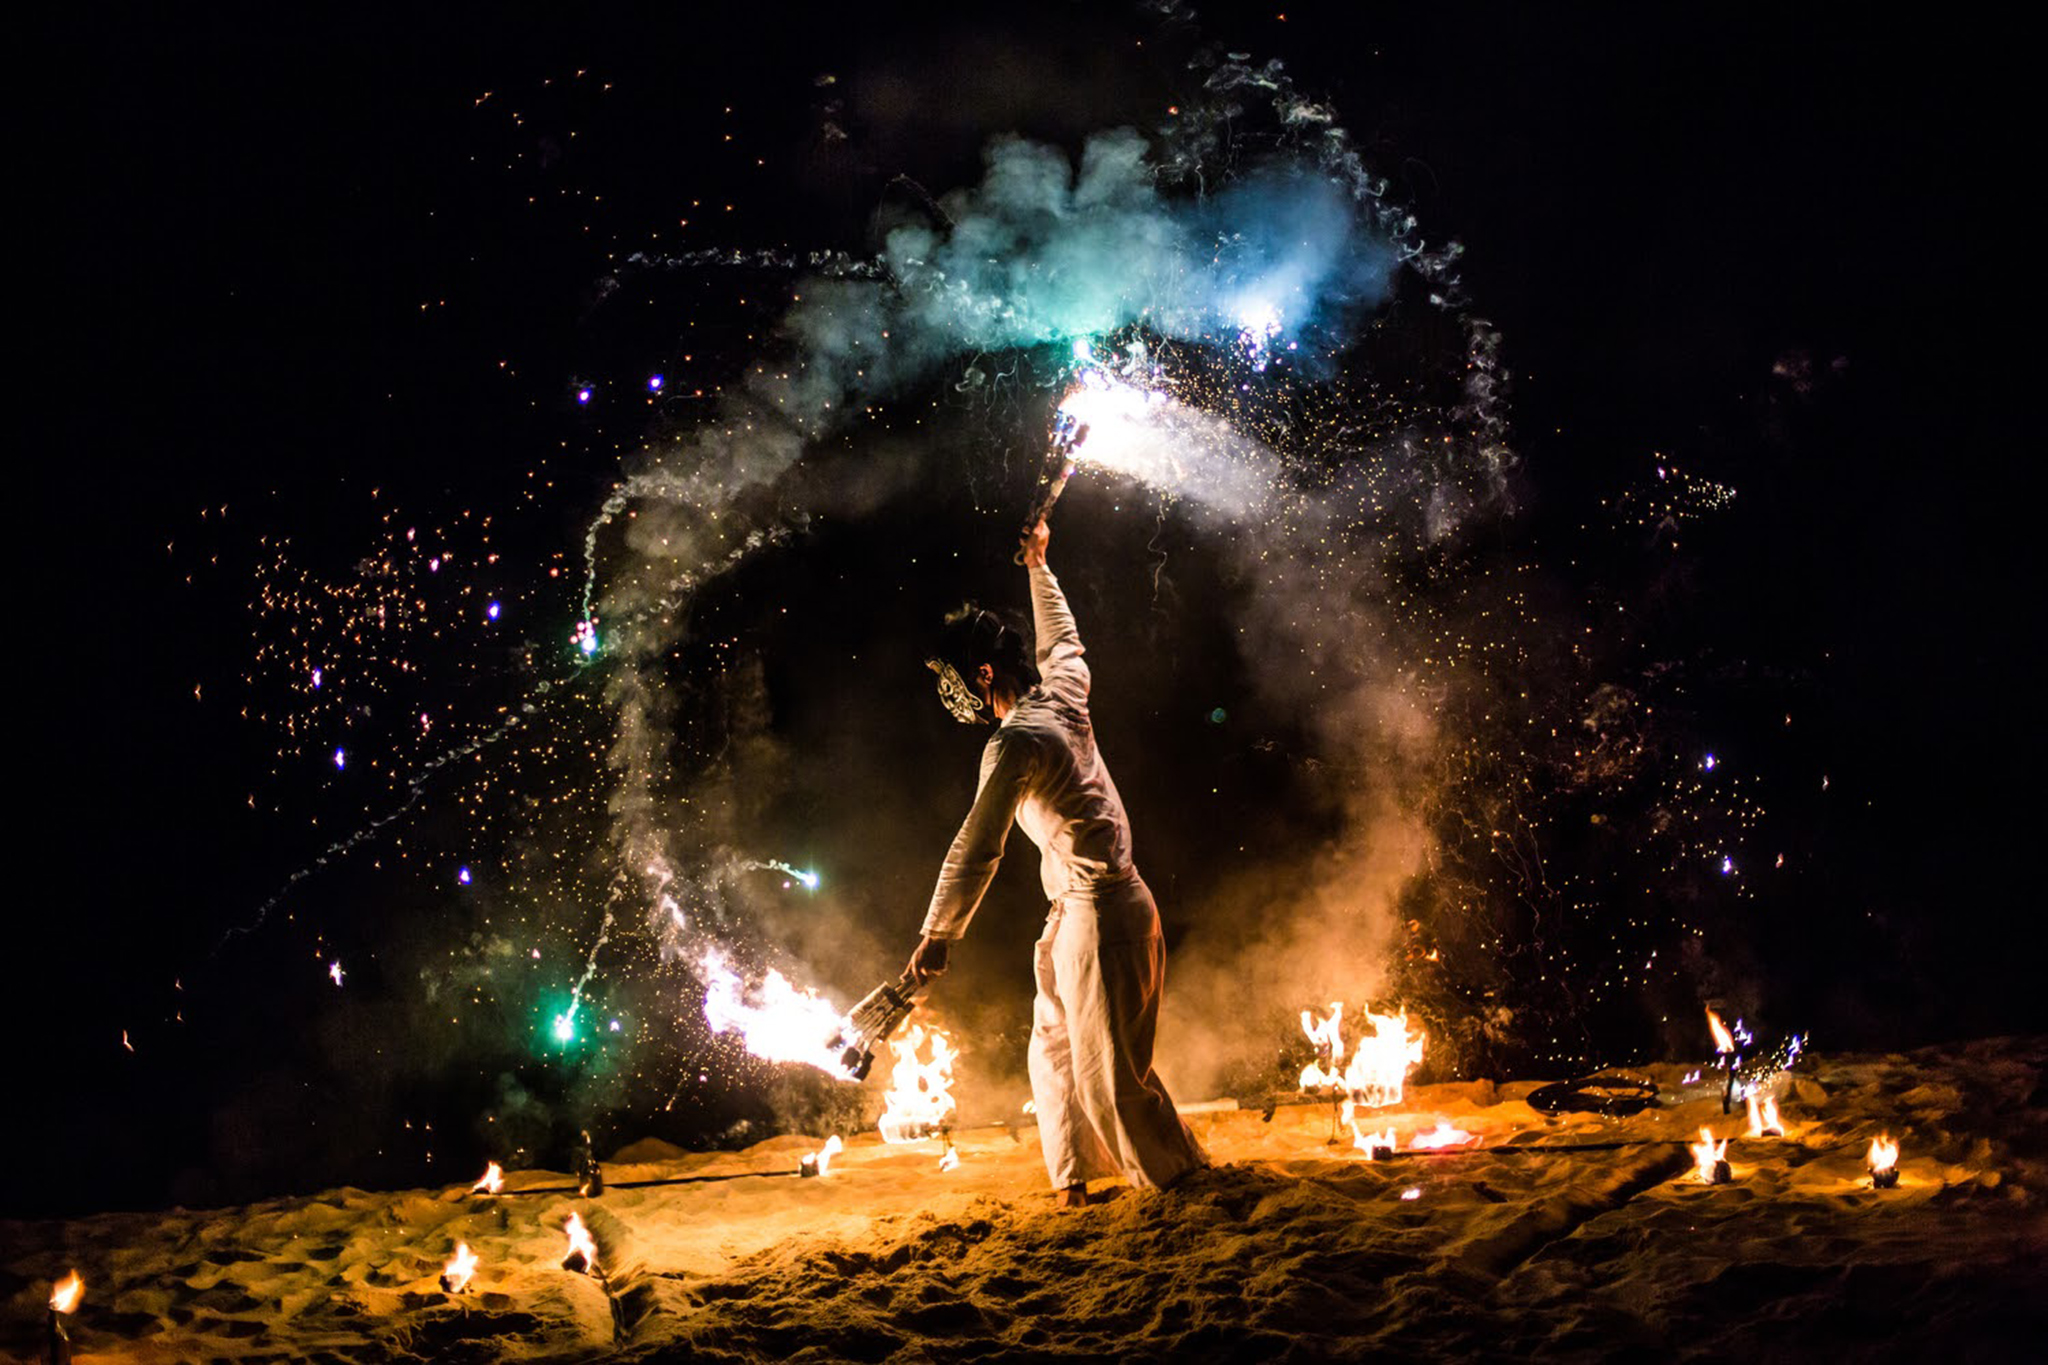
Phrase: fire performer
[1101,962]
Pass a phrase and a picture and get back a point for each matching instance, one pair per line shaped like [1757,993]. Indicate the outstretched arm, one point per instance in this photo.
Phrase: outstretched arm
[976,852]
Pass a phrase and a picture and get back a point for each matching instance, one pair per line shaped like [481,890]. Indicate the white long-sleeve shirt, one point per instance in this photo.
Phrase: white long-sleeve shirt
[1041,771]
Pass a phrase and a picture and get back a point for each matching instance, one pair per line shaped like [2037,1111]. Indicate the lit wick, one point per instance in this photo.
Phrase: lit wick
[64,1297]
[1884,1163]
[493,1180]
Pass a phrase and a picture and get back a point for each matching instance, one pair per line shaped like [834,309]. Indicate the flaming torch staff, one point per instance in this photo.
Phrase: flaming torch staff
[1068,431]
[64,1297]
[1728,1051]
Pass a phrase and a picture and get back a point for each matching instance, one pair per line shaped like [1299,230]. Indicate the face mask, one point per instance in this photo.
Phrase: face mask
[958,697]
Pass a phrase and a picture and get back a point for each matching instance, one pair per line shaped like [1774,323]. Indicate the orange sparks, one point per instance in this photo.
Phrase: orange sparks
[65,1293]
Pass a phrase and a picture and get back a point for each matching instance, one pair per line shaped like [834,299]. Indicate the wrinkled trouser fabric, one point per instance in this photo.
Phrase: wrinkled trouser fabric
[1102,1111]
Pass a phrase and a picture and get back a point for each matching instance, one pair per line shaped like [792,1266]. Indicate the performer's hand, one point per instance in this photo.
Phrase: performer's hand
[1034,542]
[929,961]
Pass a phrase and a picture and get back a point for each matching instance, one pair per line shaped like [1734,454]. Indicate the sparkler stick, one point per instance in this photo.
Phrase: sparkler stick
[1068,432]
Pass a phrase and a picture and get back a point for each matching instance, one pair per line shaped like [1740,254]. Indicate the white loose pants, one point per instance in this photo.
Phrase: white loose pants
[1102,1111]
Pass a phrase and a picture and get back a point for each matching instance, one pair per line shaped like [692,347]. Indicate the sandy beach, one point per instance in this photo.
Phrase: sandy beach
[1559,1236]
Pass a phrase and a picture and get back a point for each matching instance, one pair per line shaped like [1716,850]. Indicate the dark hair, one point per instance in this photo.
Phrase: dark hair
[973,636]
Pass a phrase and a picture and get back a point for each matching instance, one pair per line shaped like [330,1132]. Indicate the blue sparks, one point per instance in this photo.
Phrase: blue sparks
[565,1027]
[654,383]
[491,612]
[1709,762]
[341,758]
[1727,866]
[615,1026]
[462,876]
[583,394]
[586,637]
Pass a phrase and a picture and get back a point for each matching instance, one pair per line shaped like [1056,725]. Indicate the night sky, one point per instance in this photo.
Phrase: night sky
[294,259]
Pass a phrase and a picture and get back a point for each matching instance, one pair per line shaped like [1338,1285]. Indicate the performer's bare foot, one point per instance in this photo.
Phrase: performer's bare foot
[1072,1197]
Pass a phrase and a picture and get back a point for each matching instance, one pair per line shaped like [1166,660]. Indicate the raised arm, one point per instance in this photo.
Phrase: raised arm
[1059,639]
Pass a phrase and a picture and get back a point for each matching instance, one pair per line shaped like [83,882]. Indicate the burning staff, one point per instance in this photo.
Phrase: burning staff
[1068,431]
[1729,1055]
[64,1298]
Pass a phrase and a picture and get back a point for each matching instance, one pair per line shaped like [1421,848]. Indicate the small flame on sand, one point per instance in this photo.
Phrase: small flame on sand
[1443,1135]
[1724,1041]
[65,1293]
[493,1180]
[950,1161]
[1368,1142]
[455,1276]
[1708,1155]
[820,1161]
[1884,1154]
[1763,1116]
[582,1246]
[920,1099]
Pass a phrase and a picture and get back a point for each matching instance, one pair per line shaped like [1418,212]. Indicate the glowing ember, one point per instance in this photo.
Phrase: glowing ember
[820,1161]
[65,1293]
[1443,1135]
[778,1021]
[1763,1116]
[582,1255]
[1379,1065]
[455,1276]
[493,1180]
[950,1161]
[1710,1159]
[1884,1162]
[1724,1041]
[920,1099]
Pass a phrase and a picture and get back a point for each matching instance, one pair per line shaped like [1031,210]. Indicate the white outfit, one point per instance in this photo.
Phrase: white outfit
[1101,963]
